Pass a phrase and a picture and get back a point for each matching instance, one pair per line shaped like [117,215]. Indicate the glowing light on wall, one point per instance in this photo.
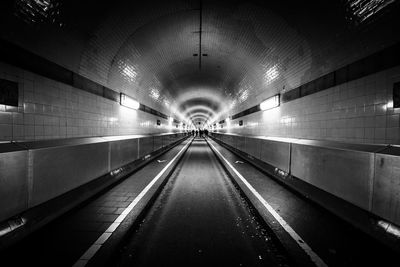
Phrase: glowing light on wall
[128,102]
[361,10]
[146,124]
[252,124]
[243,96]
[271,74]
[112,119]
[170,122]
[389,104]
[154,93]
[389,228]
[39,11]
[270,103]
[228,122]
[286,119]
[233,104]
[128,71]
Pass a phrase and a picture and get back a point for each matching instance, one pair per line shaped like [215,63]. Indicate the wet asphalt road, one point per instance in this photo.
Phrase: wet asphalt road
[200,219]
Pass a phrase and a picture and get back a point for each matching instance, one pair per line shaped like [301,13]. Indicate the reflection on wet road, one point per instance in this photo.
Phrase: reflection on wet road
[200,219]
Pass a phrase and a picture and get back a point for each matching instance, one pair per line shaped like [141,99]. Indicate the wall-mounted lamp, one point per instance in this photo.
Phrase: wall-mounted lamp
[227,120]
[170,119]
[128,102]
[271,102]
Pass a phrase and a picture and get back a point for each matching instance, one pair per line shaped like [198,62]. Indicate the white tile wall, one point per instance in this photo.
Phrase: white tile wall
[352,112]
[49,109]
[357,111]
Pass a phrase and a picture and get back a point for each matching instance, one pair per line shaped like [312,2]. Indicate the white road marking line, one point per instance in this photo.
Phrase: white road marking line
[84,259]
[307,249]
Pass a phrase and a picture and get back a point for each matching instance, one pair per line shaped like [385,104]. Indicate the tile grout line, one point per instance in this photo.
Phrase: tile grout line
[92,250]
[307,249]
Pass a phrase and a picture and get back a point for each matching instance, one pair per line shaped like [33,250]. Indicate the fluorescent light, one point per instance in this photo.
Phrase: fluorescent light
[389,228]
[271,102]
[129,102]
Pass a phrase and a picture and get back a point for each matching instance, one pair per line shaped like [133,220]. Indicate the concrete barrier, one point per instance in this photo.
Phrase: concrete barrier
[276,153]
[13,180]
[367,176]
[57,170]
[346,174]
[32,173]
[122,151]
[386,187]
[253,147]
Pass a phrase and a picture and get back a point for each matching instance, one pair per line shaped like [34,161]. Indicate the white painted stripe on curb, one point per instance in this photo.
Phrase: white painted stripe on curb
[92,250]
[307,249]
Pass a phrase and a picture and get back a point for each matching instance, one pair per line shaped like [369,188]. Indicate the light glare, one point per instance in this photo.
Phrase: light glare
[271,102]
[128,102]
[271,74]
[389,228]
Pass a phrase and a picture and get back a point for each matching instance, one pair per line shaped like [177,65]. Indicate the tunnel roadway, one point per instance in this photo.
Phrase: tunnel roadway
[200,219]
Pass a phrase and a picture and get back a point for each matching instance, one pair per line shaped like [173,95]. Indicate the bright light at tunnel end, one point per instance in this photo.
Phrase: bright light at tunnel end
[270,103]
[128,102]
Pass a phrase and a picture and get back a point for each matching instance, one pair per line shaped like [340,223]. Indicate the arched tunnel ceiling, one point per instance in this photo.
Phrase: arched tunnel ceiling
[241,56]
[250,49]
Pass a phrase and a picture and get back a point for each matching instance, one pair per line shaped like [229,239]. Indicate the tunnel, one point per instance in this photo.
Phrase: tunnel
[199,133]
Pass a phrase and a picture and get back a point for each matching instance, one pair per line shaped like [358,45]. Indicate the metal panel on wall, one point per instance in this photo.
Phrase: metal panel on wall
[123,152]
[344,173]
[276,153]
[157,142]
[240,142]
[13,183]
[58,166]
[230,140]
[253,147]
[145,146]
[386,195]
[60,169]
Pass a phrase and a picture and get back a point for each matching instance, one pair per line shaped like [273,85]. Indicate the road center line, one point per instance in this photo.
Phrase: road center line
[92,250]
[307,249]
